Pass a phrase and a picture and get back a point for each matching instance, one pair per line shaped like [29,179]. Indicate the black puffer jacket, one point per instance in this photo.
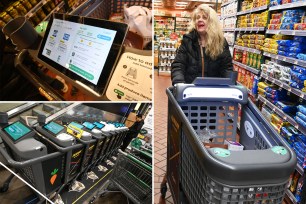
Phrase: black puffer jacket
[187,64]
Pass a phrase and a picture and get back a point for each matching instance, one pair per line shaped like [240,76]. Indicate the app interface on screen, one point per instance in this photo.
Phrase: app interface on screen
[54,127]
[76,125]
[17,130]
[83,49]
[99,125]
[89,125]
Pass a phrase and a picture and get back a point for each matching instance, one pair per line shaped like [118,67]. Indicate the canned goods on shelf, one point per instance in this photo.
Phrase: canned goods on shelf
[20,8]
[33,2]
[12,11]
[5,17]
[2,24]
[35,20]
[51,4]
[47,8]
[26,4]
[41,14]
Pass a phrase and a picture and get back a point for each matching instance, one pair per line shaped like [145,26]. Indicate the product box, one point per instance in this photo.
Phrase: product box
[300,26]
[234,146]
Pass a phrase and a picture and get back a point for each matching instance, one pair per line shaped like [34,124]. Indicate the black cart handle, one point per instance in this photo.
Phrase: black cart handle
[23,164]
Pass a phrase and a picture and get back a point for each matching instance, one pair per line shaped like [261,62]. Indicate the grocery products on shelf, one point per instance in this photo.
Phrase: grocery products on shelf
[230,38]
[249,4]
[229,22]
[287,20]
[253,20]
[230,9]
[255,41]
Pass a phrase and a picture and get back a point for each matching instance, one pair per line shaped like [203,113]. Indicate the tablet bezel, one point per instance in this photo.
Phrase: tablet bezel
[49,131]
[115,51]
[20,138]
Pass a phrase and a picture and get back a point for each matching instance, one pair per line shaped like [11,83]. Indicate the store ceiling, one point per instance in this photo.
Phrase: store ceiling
[183,4]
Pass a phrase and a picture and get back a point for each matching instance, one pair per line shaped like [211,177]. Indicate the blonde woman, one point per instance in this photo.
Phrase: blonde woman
[204,51]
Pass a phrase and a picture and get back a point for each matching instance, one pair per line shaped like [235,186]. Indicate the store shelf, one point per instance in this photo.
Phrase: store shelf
[286,6]
[229,29]
[283,115]
[285,86]
[167,49]
[286,59]
[35,8]
[167,57]
[227,3]
[56,9]
[251,29]
[228,16]
[255,71]
[247,49]
[291,196]
[261,8]
[287,32]
[300,169]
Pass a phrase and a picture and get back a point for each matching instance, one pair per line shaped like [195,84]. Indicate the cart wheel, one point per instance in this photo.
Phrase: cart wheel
[163,190]
[92,200]
[4,188]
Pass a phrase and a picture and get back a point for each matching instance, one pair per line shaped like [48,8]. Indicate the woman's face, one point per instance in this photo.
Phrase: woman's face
[201,22]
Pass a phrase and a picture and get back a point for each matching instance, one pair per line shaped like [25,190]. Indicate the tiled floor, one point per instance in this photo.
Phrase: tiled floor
[160,134]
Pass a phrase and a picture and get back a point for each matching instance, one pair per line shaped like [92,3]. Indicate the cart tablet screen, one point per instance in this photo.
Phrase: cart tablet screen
[16,131]
[83,49]
[76,125]
[53,127]
[99,125]
[89,125]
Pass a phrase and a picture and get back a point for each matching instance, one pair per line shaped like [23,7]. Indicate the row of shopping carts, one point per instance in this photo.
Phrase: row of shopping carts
[50,159]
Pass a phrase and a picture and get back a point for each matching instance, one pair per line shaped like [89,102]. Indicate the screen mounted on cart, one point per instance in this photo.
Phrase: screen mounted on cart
[16,131]
[83,49]
[89,125]
[53,127]
[99,125]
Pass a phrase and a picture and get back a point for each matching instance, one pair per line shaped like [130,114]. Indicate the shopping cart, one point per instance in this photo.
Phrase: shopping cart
[133,178]
[197,174]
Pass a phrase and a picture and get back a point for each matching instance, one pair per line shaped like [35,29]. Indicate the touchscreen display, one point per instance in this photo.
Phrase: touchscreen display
[17,130]
[54,127]
[89,125]
[99,125]
[76,125]
[83,49]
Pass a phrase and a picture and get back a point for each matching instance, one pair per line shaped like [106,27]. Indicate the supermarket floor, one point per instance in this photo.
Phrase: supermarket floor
[19,193]
[160,134]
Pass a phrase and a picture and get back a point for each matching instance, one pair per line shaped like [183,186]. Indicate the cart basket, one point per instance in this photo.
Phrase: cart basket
[133,178]
[215,175]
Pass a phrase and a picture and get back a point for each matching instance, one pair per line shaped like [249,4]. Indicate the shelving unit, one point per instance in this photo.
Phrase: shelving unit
[227,3]
[261,8]
[287,32]
[291,196]
[286,59]
[251,69]
[285,86]
[247,49]
[166,55]
[288,6]
[250,29]
[56,9]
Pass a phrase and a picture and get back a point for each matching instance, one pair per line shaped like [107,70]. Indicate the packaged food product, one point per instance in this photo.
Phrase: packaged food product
[286,1]
[296,85]
[275,21]
[286,26]
[302,109]
[263,85]
[301,56]
[287,43]
[274,26]
[299,39]
[300,26]
[277,16]
[296,49]
[283,48]
[291,20]
[286,107]
[292,55]
[294,182]
[299,69]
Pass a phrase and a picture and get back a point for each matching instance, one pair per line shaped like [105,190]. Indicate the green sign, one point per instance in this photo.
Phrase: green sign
[81,72]
[222,152]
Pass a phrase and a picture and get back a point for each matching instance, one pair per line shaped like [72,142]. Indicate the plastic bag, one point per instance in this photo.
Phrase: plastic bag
[139,19]
[206,135]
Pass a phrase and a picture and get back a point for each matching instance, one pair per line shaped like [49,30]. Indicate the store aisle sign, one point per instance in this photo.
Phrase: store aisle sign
[132,79]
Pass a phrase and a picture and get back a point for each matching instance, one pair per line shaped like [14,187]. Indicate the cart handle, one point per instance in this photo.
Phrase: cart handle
[135,160]
[143,152]
[230,79]
[23,164]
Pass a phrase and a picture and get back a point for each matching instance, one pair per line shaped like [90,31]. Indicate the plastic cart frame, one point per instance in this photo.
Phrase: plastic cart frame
[199,175]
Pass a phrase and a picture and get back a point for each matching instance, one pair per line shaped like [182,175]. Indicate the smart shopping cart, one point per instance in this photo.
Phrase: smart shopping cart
[197,174]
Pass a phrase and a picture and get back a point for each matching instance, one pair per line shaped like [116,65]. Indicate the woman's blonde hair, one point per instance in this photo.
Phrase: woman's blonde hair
[214,34]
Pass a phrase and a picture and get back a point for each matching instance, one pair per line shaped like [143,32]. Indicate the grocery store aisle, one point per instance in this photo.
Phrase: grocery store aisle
[160,134]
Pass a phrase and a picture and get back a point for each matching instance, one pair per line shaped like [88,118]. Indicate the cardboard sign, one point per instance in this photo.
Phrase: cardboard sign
[132,79]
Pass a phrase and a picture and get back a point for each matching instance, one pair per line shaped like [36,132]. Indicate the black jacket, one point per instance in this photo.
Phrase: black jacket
[187,64]
[135,129]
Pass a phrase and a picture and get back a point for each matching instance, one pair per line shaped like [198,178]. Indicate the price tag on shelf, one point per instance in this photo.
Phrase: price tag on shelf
[44,2]
[277,57]
[302,95]
[274,109]
[296,126]
[285,59]
[295,62]
[301,100]
[30,15]
[285,117]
